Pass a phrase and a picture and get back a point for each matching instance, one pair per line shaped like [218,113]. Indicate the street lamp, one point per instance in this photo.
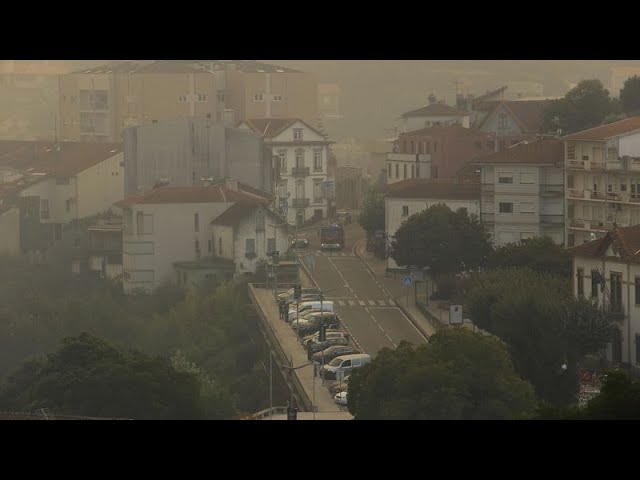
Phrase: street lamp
[292,368]
[275,249]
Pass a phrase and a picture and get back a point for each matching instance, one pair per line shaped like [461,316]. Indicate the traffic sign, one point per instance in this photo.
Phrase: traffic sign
[407,281]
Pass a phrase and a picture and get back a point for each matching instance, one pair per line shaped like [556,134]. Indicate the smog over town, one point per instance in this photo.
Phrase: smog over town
[319,239]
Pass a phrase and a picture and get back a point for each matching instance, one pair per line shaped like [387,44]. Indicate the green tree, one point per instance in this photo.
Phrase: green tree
[372,214]
[458,375]
[540,254]
[445,241]
[584,106]
[548,331]
[630,95]
[87,376]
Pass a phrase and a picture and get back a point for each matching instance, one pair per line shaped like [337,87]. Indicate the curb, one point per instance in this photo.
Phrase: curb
[402,309]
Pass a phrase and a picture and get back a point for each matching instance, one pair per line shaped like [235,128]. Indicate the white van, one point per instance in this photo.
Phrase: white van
[326,306]
[344,365]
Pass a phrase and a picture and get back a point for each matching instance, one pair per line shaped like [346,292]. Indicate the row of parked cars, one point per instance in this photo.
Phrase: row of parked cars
[336,355]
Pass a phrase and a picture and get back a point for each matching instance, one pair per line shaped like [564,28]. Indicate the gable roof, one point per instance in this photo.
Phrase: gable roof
[272,127]
[624,240]
[435,110]
[604,132]
[237,212]
[447,131]
[426,188]
[218,193]
[49,158]
[546,150]
[487,96]
[528,114]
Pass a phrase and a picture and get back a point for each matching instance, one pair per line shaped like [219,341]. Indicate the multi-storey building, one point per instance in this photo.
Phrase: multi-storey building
[602,180]
[300,154]
[523,192]
[434,115]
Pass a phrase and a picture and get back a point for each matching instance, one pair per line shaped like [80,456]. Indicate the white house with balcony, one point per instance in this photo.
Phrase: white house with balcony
[523,192]
[607,270]
[300,152]
[602,180]
[409,197]
[182,235]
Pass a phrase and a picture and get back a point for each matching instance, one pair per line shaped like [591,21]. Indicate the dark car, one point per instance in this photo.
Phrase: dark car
[311,323]
[300,241]
[333,352]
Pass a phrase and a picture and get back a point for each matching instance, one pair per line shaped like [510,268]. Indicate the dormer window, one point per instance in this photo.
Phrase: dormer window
[297,134]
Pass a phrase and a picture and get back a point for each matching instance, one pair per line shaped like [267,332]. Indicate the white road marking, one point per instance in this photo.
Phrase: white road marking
[362,303]
[352,303]
[372,302]
[381,302]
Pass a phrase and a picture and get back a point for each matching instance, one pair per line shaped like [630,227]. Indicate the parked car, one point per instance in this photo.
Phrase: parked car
[300,241]
[344,364]
[341,398]
[314,337]
[326,305]
[333,352]
[316,346]
[288,295]
[337,386]
[312,324]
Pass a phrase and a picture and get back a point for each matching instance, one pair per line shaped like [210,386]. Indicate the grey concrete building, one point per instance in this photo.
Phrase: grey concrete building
[190,151]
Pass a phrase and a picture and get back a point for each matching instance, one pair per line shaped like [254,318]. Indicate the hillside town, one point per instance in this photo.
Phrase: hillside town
[216,218]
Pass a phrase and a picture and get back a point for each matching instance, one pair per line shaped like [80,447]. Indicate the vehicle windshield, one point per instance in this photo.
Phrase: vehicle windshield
[330,232]
[335,362]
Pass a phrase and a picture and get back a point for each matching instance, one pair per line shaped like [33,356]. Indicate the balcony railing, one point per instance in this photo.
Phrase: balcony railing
[614,166]
[300,171]
[300,202]
[575,193]
[576,164]
[551,191]
[598,166]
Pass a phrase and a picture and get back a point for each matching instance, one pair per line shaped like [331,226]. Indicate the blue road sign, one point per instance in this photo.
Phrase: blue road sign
[407,281]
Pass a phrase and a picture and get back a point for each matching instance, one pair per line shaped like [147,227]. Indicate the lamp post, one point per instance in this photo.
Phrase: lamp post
[292,368]
[275,248]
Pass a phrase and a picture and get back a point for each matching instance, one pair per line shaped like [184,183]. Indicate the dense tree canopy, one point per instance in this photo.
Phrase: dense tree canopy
[539,254]
[548,331]
[372,214]
[584,106]
[458,375]
[87,376]
[630,95]
[445,241]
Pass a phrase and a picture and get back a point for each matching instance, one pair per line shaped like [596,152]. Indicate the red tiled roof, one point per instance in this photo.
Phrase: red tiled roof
[435,110]
[425,188]
[272,127]
[604,132]
[237,212]
[528,114]
[43,157]
[549,151]
[625,242]
[448,131]
[212,194]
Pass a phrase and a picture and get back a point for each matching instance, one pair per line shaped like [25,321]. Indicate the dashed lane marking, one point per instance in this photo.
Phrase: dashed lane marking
[362,303]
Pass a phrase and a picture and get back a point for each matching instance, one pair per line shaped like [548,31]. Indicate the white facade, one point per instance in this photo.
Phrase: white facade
[157,235]
[398,210]
[403,166]
[413,123]
[521,201]
[10,231]
[627,347]
[602,187]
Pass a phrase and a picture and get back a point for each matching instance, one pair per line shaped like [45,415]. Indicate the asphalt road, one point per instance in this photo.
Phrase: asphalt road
[368,313]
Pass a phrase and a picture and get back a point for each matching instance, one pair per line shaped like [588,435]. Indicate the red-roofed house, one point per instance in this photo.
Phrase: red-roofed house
[603,179]
[408,197]
[300,154]
[434,115]
[607,270]
[170,235]
[523,191]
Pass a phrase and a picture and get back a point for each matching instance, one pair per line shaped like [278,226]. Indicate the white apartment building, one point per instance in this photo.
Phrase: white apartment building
[168,232]
[607,270]
[434,115]
[523,192]
[602,180]
[408,197]
[300,152]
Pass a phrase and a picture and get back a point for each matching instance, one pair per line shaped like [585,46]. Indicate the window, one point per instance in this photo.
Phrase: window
[297,134]
[623,187]
[196,222]
[210,246]
[277,98]
[203,98]
[417,171]
[257,97]
[220,97]
[571,151]
[526,207]
[144,224]
[282,193]
[405,210]
[580,276]
[197,245]
[299,158]
[571,240]
[271,245]
[610,188]
[260,224]
[502,121]
[413,171]
[250,247]
[506,207]
[389,170]
[44,209]
[317,160]
[220,246]
[526,178]
[182,98]
[637,290]
[570,181]
[397,170]
[505,179]
[585,157]
[300,189]
[594,285]
[616,292]
[404,168]
[317,191]
[282,158]
[428,147]
[67,205]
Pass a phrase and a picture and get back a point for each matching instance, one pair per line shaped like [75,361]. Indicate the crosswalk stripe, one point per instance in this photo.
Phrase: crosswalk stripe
[352,303]
[362,303]
[372,302]
[382,302]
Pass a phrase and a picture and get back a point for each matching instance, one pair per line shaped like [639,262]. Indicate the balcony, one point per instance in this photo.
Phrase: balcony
[300,202]
[300,171]
[575,193]
[598,166]
[551,220]
[551,190]
[634,166]
[577,164]
[614,166]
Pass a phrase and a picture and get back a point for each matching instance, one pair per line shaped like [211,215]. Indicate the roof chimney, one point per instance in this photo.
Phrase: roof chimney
[231,184]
